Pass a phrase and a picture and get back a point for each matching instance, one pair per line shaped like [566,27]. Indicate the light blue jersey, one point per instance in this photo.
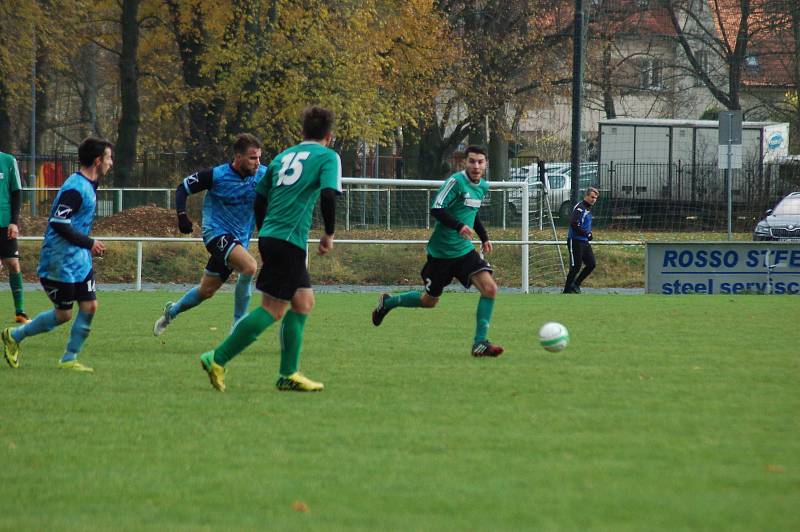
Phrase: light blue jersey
[75,204]
[228,205]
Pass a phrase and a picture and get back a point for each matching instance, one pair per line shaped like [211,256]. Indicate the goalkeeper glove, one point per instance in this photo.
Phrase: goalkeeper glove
[184,223]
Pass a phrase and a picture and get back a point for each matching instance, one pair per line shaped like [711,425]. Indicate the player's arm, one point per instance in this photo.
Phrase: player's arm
[261,203]
[16,204]
[260,206]
[330,186]
[15,188]
[480,230]
[575,221]
[191,185]
[445,196]
[446,219]
[61,219]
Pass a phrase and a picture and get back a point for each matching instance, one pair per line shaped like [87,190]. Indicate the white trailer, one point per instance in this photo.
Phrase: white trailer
[656,161]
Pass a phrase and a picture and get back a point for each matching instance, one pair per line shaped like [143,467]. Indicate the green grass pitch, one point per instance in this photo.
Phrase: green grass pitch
[662,414]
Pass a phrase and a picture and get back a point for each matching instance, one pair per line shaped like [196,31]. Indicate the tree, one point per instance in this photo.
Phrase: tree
[504,57]
[725,32]
[130,116]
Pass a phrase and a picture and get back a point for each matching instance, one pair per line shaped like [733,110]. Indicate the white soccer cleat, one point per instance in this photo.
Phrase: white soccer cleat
[163,320]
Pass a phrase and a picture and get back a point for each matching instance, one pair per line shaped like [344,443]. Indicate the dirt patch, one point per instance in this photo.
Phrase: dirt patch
[147,220]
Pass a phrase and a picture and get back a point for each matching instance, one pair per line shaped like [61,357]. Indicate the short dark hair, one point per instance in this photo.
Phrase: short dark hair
[245,141]
[480,150]
[91,148]
[317,122]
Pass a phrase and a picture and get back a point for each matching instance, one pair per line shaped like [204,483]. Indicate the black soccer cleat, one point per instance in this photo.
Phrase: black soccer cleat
[485,348]
[380,311]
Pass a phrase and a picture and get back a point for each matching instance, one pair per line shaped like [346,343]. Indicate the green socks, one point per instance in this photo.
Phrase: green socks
[483,317]
[244,334]
[15,280]
[406,299]
[292,329]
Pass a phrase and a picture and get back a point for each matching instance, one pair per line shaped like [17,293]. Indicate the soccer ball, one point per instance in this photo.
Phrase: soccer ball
[553,336]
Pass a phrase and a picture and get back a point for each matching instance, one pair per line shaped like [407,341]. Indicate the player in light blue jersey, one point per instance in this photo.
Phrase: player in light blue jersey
[65,263]
[228,224]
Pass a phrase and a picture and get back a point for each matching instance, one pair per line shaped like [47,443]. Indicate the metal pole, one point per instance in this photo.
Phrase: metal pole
[32,165]
[139,266]
[388,208]
[504,209]
[427,209]
[728,181]
[525,221]
[119,199]
[577,84]
[347,208]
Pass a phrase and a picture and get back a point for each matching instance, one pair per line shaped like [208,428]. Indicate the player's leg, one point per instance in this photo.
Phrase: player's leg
[86,295]
[574,248]
[589,263]
[62,295]
[433,274]
[211,281]
[277,293]
[478,273]
[9,257]
[81,327]
[291,336]
[245,265]
[15,282]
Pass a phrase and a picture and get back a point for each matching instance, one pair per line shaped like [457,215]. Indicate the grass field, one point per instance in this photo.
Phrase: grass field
[662,414]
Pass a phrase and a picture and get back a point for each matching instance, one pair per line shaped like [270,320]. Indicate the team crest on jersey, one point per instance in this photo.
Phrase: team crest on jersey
[62,211]
[474,203]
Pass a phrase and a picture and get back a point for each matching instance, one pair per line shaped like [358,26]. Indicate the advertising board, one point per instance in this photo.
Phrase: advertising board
[722,268]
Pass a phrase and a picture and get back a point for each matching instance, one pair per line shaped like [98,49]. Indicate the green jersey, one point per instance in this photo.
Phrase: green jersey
[461,198]
[292,184]
[9,182]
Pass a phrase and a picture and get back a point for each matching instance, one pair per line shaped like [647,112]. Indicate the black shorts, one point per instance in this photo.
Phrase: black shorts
[438,273]
[219,248]
[63,295]
[9,247]
[284,268]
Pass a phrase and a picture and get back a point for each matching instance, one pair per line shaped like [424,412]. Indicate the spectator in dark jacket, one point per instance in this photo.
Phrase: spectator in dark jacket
[578,242]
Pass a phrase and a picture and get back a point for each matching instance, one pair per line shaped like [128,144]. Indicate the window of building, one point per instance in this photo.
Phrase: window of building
[751,63]
[651,74]
[704,59]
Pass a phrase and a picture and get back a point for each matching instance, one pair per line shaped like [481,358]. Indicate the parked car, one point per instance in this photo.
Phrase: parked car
[557,183]
[781,223]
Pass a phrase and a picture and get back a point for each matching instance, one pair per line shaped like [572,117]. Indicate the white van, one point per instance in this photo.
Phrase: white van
[557,184]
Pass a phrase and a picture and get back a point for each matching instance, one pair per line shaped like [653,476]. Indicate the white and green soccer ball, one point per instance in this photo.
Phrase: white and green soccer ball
[553,336]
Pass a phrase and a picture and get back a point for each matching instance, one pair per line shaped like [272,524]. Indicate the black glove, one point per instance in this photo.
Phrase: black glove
[589,236]
[184,223]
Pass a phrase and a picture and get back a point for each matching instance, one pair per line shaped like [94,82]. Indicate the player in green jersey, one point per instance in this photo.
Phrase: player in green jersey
[285,199]
[451,253]
[10,203]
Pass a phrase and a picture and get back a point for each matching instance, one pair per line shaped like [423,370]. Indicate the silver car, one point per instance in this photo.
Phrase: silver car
[781,223]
